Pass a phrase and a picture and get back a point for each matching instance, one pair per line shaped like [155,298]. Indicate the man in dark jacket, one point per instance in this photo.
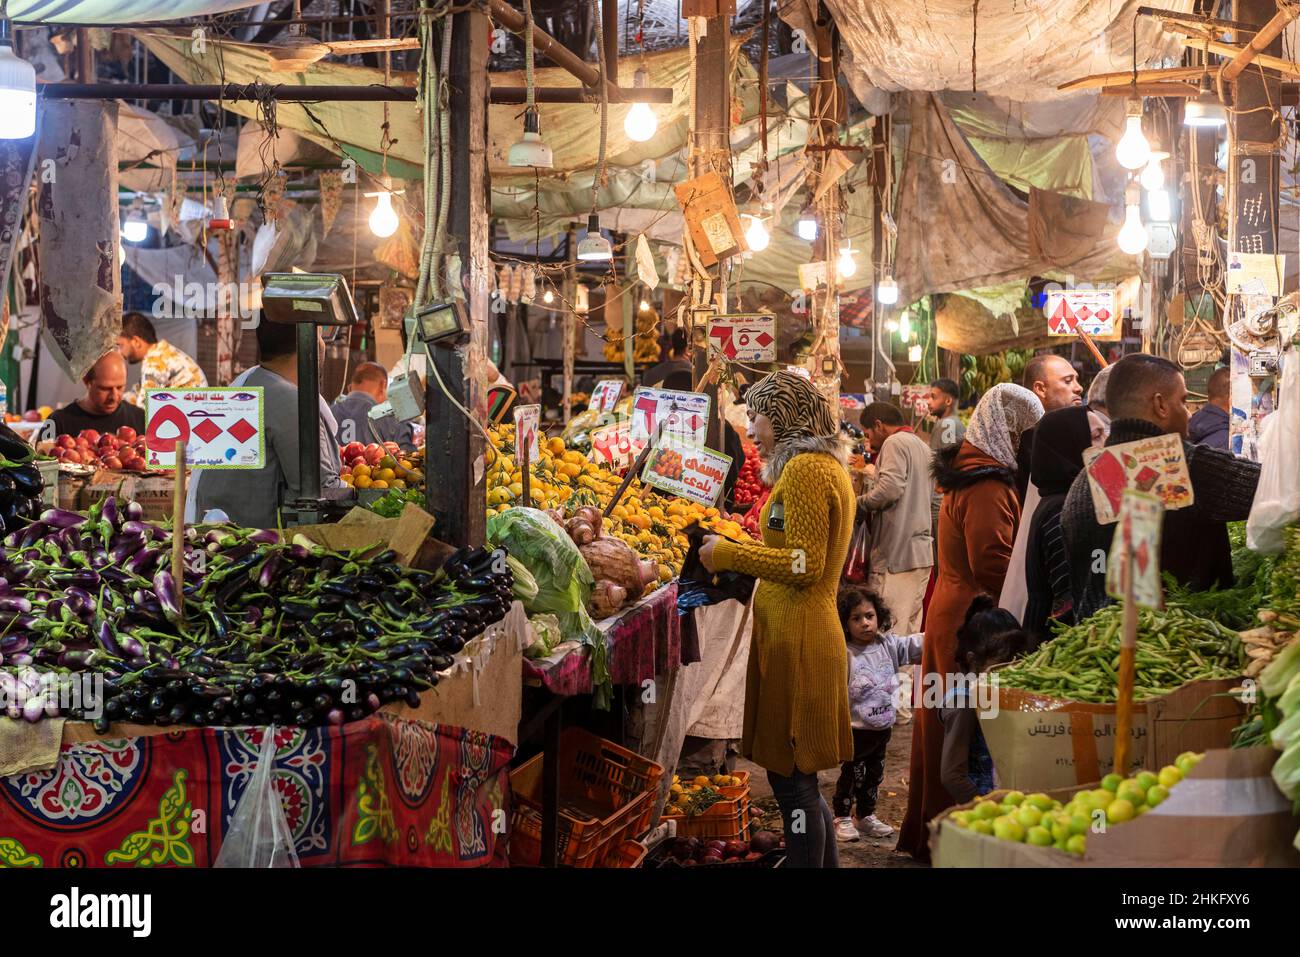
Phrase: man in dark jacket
[1209,426]
[1147,397]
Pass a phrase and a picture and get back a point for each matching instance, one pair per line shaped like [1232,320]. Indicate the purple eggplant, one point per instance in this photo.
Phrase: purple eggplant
[265,536]
[85,578]
[13,644]
[137,528]
[80,599]
[165,587]
[15,603]
[132,647]
[269,569]
[34,708]
[61,518]
[20,660]
[104,635]
[133,511]
[4,586]
[109,512]
[124,547]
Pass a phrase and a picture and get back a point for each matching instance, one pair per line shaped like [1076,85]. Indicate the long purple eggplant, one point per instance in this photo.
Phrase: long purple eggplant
[61,518]
[165,587]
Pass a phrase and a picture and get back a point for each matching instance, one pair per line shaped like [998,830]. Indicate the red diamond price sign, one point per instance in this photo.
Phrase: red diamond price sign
[220,428]
[744,337]
[1091,310]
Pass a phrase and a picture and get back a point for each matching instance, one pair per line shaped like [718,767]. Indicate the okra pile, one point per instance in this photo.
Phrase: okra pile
[262,629]
[1081,663]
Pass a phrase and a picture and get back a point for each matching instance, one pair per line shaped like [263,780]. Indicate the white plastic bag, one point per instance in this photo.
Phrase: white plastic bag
[259,834]
[1277,498]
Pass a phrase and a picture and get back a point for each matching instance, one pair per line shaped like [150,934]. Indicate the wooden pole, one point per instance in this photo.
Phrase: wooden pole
[524,445]
[1127,664]
[1092,346]
[178,527]
[1260,42]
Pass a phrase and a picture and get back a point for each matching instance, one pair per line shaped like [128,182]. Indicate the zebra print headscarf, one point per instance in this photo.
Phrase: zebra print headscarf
[792,404]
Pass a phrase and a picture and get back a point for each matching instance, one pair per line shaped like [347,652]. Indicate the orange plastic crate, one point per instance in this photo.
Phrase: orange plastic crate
[606,796]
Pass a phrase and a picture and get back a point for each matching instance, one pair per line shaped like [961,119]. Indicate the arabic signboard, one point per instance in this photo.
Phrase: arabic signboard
[1095,311]
[612,445]
[684,417]
[1135,550]
[748,337]
[219,428]
[1156,465]
[606,395]
[687,471]
[527,426]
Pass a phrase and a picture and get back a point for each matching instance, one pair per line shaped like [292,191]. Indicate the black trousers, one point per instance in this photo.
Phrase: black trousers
[860,778]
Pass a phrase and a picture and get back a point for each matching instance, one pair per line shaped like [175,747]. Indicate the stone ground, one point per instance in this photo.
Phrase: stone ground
[868,852]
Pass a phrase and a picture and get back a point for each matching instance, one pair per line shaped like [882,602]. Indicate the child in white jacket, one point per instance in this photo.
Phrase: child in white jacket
[875,657]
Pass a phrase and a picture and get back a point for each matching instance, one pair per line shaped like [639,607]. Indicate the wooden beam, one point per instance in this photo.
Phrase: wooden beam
[1266,35]
[1174,74]
[1275,63]
[1195,20]
[1153,89]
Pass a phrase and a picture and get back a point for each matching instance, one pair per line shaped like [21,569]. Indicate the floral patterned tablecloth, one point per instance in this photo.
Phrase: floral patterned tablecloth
[376,792]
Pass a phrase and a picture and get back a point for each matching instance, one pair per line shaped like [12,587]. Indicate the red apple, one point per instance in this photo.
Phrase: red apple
[126,434]
[136,464]
[373,454]
[31,415]
[353,449]
[90,435]
[112,462]
[66,441]
[107,443]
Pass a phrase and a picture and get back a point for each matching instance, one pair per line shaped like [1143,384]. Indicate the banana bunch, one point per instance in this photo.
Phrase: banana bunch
[645,347]
[981,373]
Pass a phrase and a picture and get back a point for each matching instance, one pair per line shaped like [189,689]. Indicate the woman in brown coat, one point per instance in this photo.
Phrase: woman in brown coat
[977,529]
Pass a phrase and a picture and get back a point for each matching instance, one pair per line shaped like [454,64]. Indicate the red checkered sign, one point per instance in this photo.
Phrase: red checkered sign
[748,337]
[220,428]
[1092,310]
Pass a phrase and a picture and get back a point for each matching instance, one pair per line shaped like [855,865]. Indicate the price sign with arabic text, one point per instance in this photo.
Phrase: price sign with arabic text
[683,415]
[219,428]
[527,426]
[744,337]
[606,395]
[688,471]
[612,445]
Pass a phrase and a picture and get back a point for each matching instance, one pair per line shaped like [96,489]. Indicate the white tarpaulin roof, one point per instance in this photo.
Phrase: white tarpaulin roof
[119,11]
[1023,49]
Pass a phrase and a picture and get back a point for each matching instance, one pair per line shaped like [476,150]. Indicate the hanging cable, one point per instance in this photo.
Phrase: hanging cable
[604,108]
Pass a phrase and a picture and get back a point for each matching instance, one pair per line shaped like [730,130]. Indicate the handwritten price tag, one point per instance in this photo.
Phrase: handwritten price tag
[606,394]
[612,445]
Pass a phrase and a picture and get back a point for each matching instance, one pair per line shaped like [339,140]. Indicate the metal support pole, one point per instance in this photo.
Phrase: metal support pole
[308,412]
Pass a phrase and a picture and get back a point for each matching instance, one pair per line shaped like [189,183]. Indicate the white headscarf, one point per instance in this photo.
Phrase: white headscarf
[999,420]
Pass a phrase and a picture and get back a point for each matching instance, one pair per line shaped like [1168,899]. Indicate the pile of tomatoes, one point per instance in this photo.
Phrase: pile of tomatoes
[121,450]
[749,487]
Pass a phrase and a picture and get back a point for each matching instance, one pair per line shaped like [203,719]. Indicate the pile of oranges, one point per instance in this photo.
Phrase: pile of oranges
[564,479]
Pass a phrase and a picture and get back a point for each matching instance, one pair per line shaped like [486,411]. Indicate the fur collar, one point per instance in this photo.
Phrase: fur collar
[836,446]
[951,477]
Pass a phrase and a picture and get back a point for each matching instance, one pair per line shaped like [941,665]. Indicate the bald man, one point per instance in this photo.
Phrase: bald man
[101,408]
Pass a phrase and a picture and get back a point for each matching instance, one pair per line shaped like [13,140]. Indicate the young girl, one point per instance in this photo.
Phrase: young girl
[875,658]
[990,636]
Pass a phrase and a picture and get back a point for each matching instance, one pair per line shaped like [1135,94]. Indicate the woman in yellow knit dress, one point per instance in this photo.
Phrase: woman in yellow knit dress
[796,695]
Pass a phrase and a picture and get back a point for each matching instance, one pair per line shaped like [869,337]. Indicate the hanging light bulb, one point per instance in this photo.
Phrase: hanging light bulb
[756,236]
[1206,109]
[1133,235]
[17,91]
[887,290]
[891,325]
[548,297]
[645,305]
[1153,174]
[1159,206]
[1133,150]
[904,327]
[640,123]
[914,353]
[383,218]
[806,227]
[135,230]
[530,150]
[594,247]
[846,265]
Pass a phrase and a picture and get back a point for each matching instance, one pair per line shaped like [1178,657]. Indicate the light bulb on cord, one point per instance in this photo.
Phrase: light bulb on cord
[594,247]
[846,265]
[1153,174]
[914,354]
[1159,206]
[1133,237]
[1206,109]
[17,91]
[645,305]
[891,325]
[1133,150]
[756,237]
[806,227]
[904,327]
[530,150]
[548,297]
[887,290]
[135,230]
[383,218]
[640,123]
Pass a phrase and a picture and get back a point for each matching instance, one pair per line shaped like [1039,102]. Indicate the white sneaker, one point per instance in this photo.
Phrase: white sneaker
[845,831]
[875,827]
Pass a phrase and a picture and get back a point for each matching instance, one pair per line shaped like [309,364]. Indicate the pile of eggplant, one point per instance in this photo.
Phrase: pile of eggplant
[262,629]
[21,484]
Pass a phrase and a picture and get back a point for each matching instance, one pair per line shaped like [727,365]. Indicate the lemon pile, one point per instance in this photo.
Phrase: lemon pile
[565,479]
[1040,820]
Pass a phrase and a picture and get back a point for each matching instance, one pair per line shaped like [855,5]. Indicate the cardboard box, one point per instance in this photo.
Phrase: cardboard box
[1040,743]
[152,492]
[361,528]
[1226,813]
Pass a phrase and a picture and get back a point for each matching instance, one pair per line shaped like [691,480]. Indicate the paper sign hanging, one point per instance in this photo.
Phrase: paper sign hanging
[645,263]
[219,428]
[527,427]
[813,275]
[606,395]
[744,337]
[1254,274]
[687,471]
[1155,465]
[684,417]
[1095,311]
[1135,550]
[711,218]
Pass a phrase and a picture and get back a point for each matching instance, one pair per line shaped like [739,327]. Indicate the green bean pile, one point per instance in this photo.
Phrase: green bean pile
[1082,662]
